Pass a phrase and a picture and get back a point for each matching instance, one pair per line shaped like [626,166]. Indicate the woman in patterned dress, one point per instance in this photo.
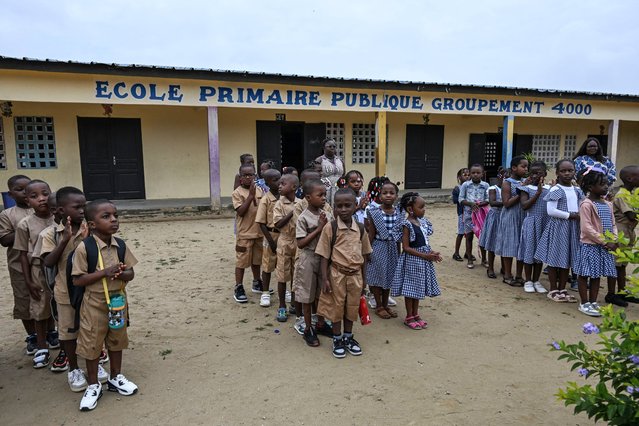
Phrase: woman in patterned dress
[595,259]
[590,154]
[332,168]
[559,244]
[380,268]
[415,275]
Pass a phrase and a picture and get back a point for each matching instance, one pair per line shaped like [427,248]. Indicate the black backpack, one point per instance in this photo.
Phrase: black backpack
[76,293]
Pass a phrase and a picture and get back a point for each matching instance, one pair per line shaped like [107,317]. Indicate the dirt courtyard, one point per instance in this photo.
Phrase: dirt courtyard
[200,358]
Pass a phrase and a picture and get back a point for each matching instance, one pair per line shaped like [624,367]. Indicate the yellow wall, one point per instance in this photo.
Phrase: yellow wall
[628,144]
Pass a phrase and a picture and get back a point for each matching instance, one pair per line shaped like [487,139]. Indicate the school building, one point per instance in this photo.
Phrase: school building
[147,132]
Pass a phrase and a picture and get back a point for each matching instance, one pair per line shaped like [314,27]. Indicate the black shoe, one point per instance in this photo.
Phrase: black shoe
[352,346]
[52,339]
[292,311]
[324,330]
[239,295]
[339,350]
[616,299]
[310,337]
[630,299]
[32,344]
[258,287]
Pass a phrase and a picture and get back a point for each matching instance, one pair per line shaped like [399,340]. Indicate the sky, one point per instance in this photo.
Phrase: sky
[559,44]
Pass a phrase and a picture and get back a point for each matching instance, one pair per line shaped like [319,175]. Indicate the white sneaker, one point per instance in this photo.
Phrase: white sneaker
[90,398]
[391,301]
[121,385]
[589,310]
[529,287]
[373,304]
[596,308]
[299,325]
[287,297]
[77,381]
[41,358]
[103,376]
[265,300]
[314,320]
[539,288]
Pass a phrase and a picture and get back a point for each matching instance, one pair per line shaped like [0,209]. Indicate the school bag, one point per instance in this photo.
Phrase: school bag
[76,293]
[50,273]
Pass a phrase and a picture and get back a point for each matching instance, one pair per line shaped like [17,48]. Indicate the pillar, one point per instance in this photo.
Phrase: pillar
[214,159]
[507,141]
[613,139]
[380,136]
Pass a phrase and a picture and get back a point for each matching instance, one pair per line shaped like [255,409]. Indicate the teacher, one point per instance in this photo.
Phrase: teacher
[332,168]
[591,154]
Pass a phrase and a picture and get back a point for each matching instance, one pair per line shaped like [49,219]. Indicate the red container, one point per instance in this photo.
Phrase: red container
[363,311]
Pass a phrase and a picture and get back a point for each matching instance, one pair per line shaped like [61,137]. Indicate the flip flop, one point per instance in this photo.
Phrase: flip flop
[382,313]
[391,312]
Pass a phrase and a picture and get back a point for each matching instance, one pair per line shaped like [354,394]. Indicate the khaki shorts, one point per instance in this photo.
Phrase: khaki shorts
[40,310]
[285,260]
[66,322]
[306,279]
[94,328]
[269,259]
[21,296]
[343,301]
[248,252]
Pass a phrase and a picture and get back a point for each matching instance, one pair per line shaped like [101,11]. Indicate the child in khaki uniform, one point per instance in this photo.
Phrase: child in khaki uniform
[283,217]
[264,218]
[26,237]
[56,247]
[248,240]
[96,326]
[343,281]
[626,220]
[9,219]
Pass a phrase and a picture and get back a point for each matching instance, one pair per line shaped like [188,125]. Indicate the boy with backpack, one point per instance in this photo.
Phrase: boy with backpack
[102,265]
[344,248]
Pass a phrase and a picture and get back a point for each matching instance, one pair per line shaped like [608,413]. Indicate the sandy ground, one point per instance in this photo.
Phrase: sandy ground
[200,358]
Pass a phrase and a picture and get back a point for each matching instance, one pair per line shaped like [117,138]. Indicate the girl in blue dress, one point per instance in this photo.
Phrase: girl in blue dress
[532,202]
[415,275]
[382,262]
[488,237]
[510,221]
[559,244]
[595,259]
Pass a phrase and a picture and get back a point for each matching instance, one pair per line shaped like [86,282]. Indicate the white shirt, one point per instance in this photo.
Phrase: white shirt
[571,201]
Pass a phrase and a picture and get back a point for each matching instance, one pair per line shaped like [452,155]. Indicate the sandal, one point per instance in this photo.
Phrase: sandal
[569,297]
[382,313]
[472,257]
[423,324]
[411,323]
[391,312]
[491,274]
[512,282]
[457,258]
[470,266]
[556,296]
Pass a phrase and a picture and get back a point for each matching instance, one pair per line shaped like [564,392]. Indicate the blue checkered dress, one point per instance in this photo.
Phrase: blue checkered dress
[415,277]
[488,236]
[559,244]
[594,260]
[383,260]
[533,226]
[510,225]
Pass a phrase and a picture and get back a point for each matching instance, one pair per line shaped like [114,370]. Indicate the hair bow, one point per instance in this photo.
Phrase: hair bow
[594,168]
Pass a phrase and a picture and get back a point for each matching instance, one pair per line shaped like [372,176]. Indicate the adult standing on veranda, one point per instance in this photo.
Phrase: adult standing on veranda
[590,154]
[332,167]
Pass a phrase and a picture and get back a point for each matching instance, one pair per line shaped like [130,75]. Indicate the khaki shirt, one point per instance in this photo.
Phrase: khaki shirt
[349,249]
[247,228]
[9,219]
[49,242]
[37,249]
[302,204]
[109,257]
[307,222]
[283,207]
[27,233]
[265,210]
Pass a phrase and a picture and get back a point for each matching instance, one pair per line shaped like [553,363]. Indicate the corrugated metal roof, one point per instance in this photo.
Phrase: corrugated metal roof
[52,65]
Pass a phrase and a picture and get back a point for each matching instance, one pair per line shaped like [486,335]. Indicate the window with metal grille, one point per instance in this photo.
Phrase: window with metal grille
[35,142]
[336,131]
[570,146]
[490,154]
[3,153]
[363,143]
[546,148]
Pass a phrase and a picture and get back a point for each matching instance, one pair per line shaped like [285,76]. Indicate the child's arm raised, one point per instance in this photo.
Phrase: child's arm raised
[321,222]
[112,272]
[243,208]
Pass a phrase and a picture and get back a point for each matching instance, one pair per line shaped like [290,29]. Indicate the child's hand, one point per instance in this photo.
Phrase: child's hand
[34,291]
[574,216]
[611,246]
[326,286]
[433,256]
[68,232]
[84,230]
[363,203]
[322,220]
[540,185]
[114,271]
[474,207]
